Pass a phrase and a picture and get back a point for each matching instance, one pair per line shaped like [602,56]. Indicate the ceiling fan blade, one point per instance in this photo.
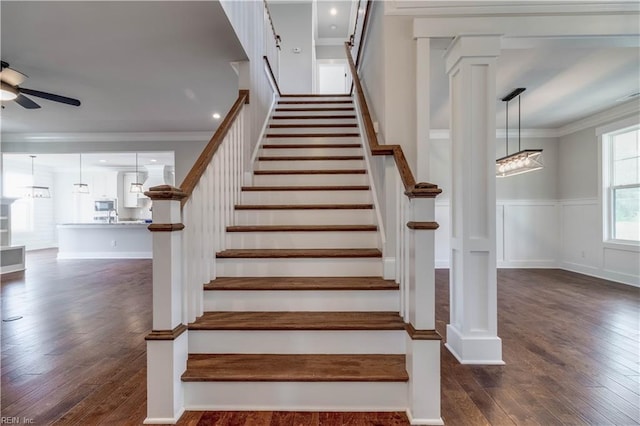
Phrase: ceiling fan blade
[26,102]
[50,96]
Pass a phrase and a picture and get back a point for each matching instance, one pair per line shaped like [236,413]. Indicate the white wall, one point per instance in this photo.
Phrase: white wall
[330,52]
[293,24]
[582,247]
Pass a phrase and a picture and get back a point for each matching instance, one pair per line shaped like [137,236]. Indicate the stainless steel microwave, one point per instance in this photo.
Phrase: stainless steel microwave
[104,205]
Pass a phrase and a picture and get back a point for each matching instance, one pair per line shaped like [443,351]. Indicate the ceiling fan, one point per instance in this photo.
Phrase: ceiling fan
[10,90]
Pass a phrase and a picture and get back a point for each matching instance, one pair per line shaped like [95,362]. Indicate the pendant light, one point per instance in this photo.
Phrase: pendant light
[523,161]
[34,191]
[136,187]
[80,188]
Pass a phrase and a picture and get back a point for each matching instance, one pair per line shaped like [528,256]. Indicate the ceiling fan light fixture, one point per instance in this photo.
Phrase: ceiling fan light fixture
[7,92]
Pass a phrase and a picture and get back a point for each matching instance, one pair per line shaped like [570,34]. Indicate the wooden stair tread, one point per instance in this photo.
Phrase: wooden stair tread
[314,109]
[298,321]
[308,188]
[304,207]
[312,172]
[313,158]
[301,125]
[300,228]
[297,253]
[295,368]
[312,135]
[312,117]
[301,283]
[306,145]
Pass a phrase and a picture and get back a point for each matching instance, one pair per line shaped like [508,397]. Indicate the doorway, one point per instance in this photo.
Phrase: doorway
[333,77]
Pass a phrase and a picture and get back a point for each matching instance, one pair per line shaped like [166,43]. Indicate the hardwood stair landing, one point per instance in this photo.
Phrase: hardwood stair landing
[295,368]
[297,253]
[304,320]
[301,283]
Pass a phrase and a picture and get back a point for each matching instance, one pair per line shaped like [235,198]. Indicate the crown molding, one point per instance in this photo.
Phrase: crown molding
[506,8]
[444,134]
[108,137]
[603,117]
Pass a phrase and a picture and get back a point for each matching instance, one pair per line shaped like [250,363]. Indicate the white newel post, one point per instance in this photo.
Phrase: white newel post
[472,335]
[423,342]
[167,343]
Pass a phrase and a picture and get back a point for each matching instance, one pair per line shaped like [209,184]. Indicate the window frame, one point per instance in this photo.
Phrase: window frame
[606,136]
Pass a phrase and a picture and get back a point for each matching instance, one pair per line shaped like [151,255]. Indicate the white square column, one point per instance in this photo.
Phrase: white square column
[472,334]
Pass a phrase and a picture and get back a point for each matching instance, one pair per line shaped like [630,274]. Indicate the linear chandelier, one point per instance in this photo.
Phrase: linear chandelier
[34,191]
[523,161]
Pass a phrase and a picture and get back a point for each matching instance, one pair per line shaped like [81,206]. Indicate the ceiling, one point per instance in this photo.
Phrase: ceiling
[338,26]
[566,79]
[148,66]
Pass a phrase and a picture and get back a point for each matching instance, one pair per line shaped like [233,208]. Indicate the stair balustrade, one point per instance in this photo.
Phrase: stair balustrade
[188,228]
[407,221]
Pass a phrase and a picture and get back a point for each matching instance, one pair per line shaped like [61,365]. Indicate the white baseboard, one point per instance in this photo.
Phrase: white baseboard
[164,420]
[474,350]
[417,421]
[601,273]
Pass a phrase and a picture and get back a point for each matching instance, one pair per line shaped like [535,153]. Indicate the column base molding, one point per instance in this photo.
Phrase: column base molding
[417,421]
[486,350]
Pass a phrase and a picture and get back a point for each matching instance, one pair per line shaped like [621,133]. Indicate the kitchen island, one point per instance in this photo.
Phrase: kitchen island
[122,240]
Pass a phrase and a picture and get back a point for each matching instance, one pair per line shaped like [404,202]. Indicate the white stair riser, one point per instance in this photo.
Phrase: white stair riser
[390,342]
[318,120]
[305,217]
[314,130]
[327,97]
[307,300]
[338,104]
[296,152]
[310,165]
[295,396]
[306,197]
[301,239]
[296,267]
[319,113]
[319,179]
[312,140]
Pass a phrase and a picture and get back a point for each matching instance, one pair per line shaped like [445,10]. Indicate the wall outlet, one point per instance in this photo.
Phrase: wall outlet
[114,243]
[375,127]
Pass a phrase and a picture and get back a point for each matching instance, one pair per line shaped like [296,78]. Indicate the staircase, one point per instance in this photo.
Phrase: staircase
[299,317]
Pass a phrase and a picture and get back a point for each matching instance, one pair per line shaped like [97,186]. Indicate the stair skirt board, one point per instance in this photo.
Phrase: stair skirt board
[310,179]
[299,267]
[292,152]
[390,342]
[305,217]
[309,164]
[305,240]
[308,300]
[295,396]
[306,197]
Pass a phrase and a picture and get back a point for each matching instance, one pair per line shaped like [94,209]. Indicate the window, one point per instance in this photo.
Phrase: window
[622,184]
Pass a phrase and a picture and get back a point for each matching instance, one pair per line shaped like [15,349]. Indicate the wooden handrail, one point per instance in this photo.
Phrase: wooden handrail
[273,28]
[273,77]
[367,12]
[191,180]
[411,188]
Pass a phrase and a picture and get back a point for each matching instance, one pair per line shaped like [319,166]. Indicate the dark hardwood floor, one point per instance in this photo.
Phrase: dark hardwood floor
[77,355]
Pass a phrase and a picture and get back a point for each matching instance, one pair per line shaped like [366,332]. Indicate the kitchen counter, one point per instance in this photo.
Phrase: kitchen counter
[122,240]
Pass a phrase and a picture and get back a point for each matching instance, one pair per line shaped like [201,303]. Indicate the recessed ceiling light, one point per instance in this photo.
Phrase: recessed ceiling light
[333,27]
[333,11]
[361,11]
[153,160]
[102,161]
[216,116]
